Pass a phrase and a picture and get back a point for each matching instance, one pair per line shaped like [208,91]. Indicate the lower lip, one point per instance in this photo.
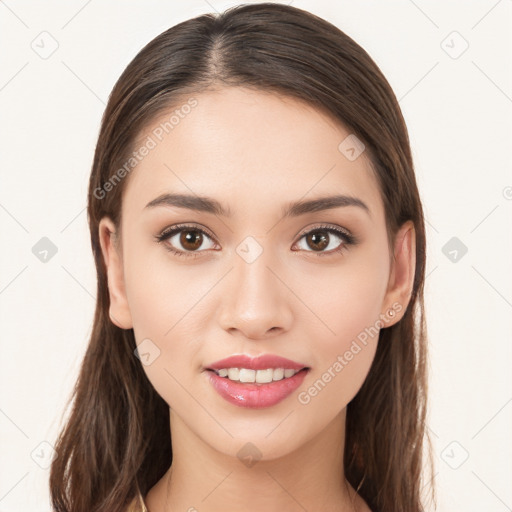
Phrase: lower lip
[256,396]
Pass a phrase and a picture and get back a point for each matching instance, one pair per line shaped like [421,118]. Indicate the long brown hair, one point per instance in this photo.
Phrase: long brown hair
[117,441]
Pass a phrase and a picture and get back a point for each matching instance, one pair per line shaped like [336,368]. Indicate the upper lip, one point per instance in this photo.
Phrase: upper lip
[262,362]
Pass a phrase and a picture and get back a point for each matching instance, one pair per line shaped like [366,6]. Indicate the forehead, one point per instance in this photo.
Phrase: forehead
[250,149]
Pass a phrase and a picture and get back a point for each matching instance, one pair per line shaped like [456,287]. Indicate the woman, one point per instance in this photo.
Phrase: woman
[259,340]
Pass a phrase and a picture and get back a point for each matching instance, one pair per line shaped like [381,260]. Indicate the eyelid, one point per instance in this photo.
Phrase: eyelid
[176,228]
[342,232]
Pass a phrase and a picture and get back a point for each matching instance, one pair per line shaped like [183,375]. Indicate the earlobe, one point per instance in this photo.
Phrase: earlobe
[401,280]
[119,311]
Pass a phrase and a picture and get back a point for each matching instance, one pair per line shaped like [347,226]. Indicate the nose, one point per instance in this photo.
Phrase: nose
[255,299]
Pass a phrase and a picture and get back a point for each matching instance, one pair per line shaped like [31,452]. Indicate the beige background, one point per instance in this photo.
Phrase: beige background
[457,102]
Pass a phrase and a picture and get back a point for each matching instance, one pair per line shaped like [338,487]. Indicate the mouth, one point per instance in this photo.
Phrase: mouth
[256,389]
[251,376]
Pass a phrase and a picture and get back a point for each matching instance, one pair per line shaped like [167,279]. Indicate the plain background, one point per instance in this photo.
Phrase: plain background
[457,103]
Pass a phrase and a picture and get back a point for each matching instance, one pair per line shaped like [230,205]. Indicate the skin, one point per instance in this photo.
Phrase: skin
[254,152]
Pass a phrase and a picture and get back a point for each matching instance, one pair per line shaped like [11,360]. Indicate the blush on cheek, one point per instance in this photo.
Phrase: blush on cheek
[350,355]
[354,320]
[351,310]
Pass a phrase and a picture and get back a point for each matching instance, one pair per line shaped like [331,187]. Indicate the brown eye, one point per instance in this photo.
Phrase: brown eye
[191,240]
[326,240]
[318,240]
[185,240]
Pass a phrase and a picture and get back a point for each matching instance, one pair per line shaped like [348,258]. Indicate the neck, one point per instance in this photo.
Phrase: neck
[201,478]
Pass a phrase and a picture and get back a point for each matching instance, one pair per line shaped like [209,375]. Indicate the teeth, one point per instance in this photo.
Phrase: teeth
[233,374]
[278,374]
[258,376]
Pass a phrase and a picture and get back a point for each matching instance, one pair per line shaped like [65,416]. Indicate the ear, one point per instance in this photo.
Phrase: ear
[119,311]
[401,278]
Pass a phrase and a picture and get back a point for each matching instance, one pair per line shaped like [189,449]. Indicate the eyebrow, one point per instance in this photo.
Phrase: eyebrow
[292,209]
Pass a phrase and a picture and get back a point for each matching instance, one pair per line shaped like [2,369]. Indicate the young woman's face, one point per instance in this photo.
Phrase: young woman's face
[252,280]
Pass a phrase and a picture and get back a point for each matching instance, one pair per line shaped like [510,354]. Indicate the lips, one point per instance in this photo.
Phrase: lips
[255,396]
[262,362]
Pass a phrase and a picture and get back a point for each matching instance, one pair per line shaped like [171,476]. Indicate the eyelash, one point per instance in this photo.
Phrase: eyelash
[348,239]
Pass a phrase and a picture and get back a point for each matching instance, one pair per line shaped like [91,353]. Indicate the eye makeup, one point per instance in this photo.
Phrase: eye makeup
[347,238]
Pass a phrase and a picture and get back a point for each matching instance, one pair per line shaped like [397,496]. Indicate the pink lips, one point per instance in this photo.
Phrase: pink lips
[256,363]
[254,395]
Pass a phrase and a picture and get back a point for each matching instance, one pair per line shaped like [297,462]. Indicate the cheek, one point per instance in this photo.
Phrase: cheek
[345,339]
[343,354]
[149,294]
[167,303]
[349,298]
[161,290]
